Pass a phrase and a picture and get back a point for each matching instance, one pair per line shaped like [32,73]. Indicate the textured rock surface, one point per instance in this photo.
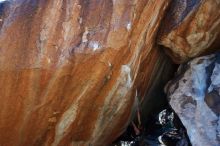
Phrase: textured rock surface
[190,27]
[195,97]
[150,82]
[68,68]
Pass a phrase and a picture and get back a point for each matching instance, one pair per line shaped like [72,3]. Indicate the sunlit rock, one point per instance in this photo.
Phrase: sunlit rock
[69,68]
[195,96]
[190,28]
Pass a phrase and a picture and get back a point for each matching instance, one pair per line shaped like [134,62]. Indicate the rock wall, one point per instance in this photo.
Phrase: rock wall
[68,68]
[195,96]
[190,28]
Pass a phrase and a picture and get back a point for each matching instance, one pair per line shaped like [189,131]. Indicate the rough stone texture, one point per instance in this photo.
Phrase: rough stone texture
[195,96]
[68,68]
[190,27]
[150,88]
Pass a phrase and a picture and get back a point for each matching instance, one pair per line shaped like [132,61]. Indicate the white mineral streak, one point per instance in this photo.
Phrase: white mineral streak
[48,60]
[67,119]
[128,26]
[115,102]
[84,37]
[109,64]
[145,34]
[94,45]
[200,121]
[80,20]
[47,29]
[69,31]
[126,70]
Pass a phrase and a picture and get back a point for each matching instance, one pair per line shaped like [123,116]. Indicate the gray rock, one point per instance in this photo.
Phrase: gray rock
[195,96]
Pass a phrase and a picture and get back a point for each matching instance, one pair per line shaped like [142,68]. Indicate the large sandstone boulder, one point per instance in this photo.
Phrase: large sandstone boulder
[195,96]
[190,27]
[68,68]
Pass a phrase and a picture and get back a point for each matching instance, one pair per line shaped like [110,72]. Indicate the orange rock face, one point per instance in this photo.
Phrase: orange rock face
[190,28]
[68,68]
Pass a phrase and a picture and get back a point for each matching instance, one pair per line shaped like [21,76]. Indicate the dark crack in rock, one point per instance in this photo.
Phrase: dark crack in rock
[163,129]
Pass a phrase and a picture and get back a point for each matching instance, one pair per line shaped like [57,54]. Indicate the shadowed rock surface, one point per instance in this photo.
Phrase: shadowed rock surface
[71,71]
[190,28]
[194,96]
[163,128]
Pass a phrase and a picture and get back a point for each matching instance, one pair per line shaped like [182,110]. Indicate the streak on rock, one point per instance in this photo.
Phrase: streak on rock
[67,119]
[80,58]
